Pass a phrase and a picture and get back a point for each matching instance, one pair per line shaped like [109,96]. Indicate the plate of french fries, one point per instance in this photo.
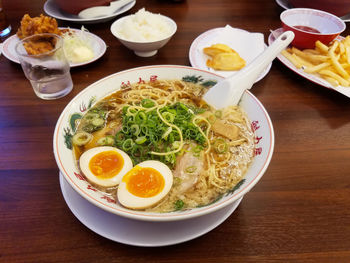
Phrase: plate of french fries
[326,65]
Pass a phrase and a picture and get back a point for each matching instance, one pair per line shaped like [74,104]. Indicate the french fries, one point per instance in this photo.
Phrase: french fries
[332,63]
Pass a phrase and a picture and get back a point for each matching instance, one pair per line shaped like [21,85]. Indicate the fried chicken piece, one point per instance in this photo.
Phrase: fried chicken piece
[37,25]
[40,46]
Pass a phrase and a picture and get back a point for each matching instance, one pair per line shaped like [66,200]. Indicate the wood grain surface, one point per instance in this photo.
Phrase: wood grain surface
[298,212]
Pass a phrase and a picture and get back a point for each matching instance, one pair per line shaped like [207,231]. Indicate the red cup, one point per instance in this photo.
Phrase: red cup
[310,25]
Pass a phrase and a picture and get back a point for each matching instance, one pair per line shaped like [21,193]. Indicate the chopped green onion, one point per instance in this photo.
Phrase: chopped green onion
[125,129]
[144,129]
[131,111]
[108,140]
[128,144]
[140,117]
[98,122]
[141,140]
[183,106]
[119,136]
[144,132]
[169,117]
[135,129]
[91,116]
[147,103]
[129,120]
[167,132]
[197,150]
[81,138]
[151,123]
[218,114]
[176,144]
[220,146]
[190,169]
[179,204]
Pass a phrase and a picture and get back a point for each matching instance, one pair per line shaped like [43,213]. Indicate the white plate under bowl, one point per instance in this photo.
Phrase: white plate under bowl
[139,233]
[98,45]
[51,8]
[286,5]
[198,59]
[261,124]
[314,78]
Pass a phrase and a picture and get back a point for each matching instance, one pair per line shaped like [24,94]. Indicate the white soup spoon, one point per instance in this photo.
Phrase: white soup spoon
[230,90]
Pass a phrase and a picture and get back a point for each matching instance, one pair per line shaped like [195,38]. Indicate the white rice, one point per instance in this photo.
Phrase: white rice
[144,26]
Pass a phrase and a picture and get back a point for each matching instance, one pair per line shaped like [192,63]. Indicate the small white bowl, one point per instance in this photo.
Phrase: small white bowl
[143,48]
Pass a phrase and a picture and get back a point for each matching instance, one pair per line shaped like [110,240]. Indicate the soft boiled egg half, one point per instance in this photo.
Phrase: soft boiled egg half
[145,185]
[105,166]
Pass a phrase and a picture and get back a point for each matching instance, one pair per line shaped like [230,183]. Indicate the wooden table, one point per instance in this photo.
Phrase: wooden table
[298,212]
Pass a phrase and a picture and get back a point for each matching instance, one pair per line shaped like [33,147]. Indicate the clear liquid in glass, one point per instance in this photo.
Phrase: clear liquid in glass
[50,84]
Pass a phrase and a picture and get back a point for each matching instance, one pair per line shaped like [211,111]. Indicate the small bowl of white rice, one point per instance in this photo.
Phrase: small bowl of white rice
[144,32]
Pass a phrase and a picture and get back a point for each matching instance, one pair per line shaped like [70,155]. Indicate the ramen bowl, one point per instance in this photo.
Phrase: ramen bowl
[310,25]
[142,47]
[66,125]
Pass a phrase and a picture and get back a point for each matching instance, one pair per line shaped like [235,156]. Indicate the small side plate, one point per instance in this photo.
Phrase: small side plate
[51,8]
[198,58]
[98,45]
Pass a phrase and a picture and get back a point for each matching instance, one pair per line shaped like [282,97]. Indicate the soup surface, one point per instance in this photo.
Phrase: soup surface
[208,151]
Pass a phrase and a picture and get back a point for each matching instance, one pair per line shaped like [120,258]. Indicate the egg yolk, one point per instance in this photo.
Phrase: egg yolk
[106,164]
[144,181]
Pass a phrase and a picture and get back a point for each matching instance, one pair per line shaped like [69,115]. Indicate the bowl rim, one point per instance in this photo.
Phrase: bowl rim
[118,21]
[135,214]
[336,19]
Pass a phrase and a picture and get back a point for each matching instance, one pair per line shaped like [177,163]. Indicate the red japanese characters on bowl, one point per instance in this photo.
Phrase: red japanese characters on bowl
[310,25]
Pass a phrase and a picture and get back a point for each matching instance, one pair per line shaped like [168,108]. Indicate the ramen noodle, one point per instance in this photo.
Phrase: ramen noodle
[207,150]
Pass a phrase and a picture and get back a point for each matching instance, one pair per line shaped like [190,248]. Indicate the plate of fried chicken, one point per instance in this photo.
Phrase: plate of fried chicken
[44,24]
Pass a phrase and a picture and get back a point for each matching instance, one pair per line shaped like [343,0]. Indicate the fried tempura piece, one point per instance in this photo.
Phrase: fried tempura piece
[37,25]
[217,49]
[226,61]
[223,58]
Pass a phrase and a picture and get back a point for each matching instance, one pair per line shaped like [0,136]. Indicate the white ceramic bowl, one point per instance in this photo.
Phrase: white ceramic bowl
[78,106]
[310,25]
[143,48]
[338,7]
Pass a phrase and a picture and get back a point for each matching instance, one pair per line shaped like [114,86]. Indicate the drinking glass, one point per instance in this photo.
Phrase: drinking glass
[5,27]
[45,65]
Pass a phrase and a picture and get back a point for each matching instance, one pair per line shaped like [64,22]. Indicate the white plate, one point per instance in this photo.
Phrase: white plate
[286,5]
[98,45]
[51,8]
[198,59]
[140,233]
[343,90]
